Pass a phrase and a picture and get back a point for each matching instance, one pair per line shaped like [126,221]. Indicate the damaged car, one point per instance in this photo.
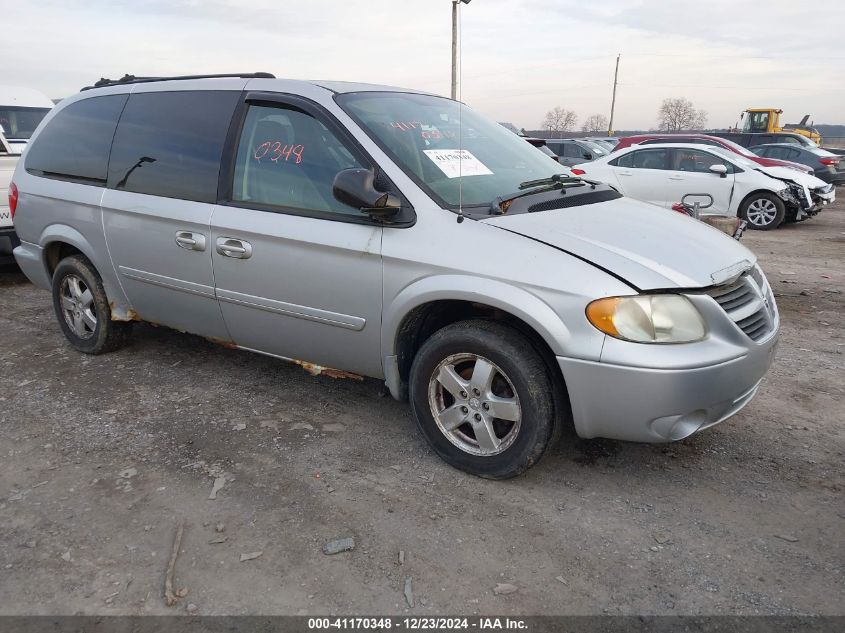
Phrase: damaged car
[397,235]
[662,174]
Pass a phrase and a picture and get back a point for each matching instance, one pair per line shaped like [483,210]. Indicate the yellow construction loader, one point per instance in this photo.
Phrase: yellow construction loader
[761,120]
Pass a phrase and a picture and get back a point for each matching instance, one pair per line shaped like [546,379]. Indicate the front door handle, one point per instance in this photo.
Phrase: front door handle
[190,241]
[235,248]
[676,177]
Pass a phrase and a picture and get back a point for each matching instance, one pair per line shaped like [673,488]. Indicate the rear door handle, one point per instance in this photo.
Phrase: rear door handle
[233,247]
[190,241]
[624,173]
[676,177]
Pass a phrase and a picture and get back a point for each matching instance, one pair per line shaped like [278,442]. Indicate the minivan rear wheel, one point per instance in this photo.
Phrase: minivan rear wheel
[483,399]
[82,308]
[763,211]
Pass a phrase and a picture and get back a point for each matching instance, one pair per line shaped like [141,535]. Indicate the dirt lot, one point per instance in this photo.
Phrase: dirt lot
[103,456]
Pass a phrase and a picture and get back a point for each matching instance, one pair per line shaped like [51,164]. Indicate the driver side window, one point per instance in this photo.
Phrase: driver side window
[287,158]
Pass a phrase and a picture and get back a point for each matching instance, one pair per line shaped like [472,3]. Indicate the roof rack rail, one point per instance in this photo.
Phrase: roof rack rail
[132,79]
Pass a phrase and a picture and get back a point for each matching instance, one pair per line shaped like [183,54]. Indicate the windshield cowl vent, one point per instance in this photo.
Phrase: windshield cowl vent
[564,202]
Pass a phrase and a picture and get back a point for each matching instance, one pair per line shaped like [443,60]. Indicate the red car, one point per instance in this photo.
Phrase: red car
[704,139]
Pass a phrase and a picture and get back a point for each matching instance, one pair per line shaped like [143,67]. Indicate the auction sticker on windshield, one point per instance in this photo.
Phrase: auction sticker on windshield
[457,162]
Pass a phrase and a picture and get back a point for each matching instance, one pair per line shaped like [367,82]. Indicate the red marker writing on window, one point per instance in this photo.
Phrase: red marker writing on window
[277,150]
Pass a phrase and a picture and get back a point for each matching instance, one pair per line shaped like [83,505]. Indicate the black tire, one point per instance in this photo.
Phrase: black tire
[758,220]
[521,367]
[107,335]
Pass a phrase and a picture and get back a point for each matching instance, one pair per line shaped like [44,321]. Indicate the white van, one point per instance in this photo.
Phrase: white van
[21,110]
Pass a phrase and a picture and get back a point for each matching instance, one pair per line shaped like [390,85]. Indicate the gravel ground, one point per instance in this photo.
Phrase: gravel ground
[102,457]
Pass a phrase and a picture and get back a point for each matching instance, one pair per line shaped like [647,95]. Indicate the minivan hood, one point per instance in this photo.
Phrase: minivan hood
[647,246]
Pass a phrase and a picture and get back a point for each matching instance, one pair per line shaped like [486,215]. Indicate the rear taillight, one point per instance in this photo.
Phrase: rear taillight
[829,162]
[13,199]
[578,172]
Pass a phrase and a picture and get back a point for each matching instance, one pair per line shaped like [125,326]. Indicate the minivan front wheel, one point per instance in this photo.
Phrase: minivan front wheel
[82,308]
[483,399]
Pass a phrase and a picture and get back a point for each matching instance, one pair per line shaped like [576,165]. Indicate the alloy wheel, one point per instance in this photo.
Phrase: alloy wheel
[761,212]
[474,404]
[78,308]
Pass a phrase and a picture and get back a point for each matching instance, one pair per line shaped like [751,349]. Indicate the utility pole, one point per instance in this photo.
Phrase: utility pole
[455,46]
[613,102]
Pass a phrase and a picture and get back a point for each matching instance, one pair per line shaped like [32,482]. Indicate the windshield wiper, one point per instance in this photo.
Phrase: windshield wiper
[556,179]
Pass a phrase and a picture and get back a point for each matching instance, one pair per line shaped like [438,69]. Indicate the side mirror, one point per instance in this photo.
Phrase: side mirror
[719,169]
[587,156]
[356,187]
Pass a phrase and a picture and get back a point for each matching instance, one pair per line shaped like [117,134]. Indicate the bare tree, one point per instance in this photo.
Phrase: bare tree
[560,120]
[595,123]
[679,114]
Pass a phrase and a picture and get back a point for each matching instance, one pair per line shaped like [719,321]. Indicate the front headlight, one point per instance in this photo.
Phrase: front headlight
[648,318]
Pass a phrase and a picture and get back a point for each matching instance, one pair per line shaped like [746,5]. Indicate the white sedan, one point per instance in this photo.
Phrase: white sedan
[663,173]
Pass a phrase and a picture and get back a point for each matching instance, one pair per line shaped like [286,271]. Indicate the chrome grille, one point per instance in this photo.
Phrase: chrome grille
[748,302]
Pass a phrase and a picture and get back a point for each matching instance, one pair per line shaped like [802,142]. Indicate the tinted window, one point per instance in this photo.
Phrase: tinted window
[170,143]
[75,143]
[782,153]
[645,159]
[287,158]
[571,150]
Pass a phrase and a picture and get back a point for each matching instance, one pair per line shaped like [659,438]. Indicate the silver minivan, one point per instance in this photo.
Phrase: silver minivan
[392,234]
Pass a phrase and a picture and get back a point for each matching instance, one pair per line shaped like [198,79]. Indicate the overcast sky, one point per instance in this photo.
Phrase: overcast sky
[520,57]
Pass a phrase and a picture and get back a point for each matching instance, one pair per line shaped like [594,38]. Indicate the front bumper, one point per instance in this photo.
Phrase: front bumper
[663,393]
[822,197]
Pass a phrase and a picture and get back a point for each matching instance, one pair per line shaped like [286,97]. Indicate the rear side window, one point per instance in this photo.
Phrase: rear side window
[644,159]
[776,152]
[170,143]
[75,144]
